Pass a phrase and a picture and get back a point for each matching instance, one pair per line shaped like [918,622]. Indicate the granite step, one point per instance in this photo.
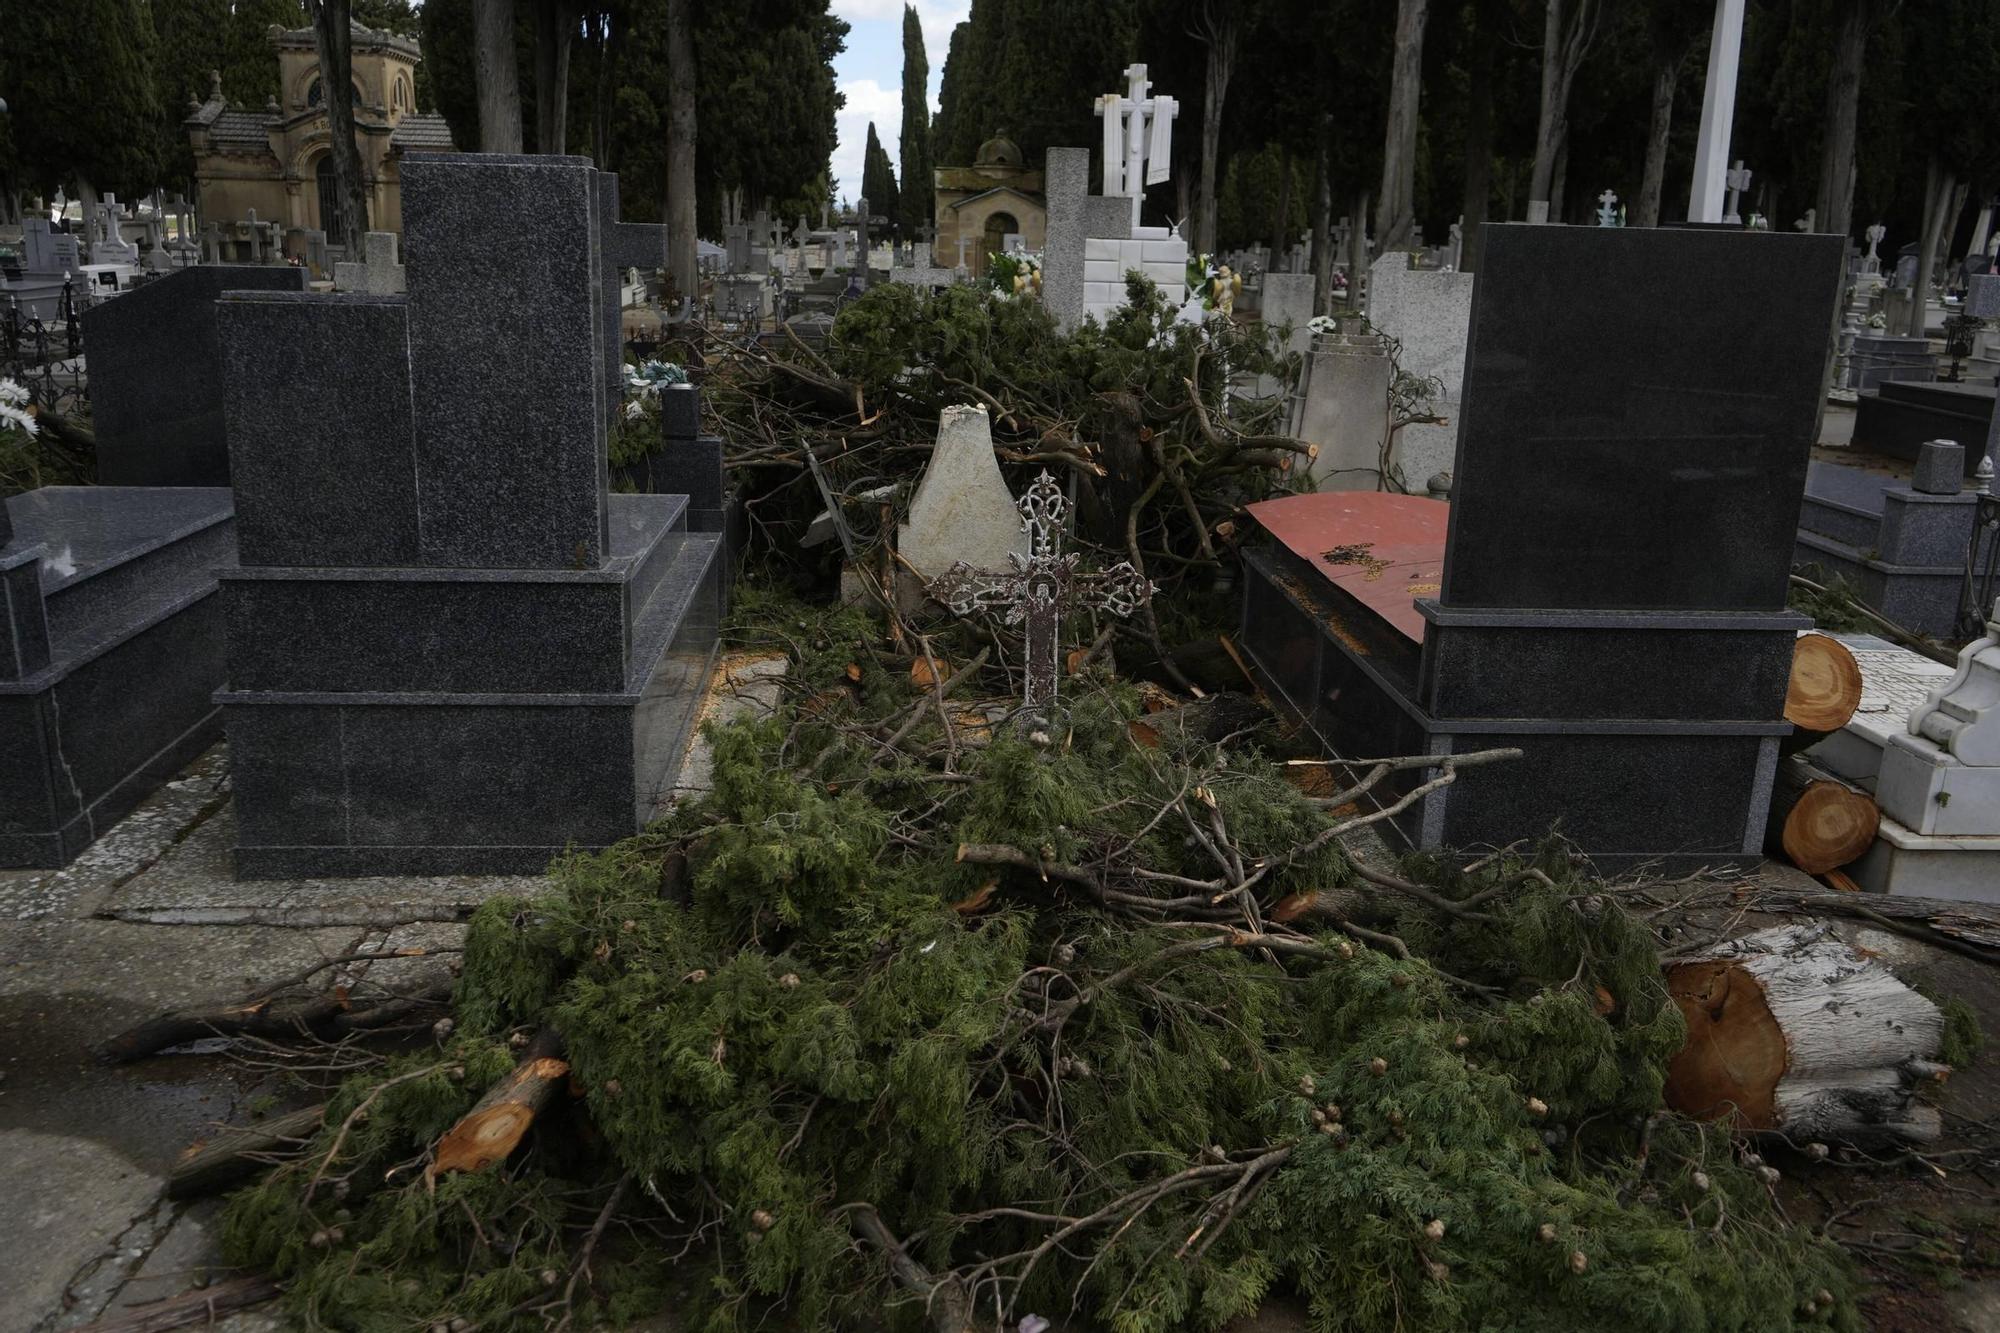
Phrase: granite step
[119,558]
[1838,520]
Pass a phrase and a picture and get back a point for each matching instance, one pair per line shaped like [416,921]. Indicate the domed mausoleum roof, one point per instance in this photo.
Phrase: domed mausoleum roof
[999,151]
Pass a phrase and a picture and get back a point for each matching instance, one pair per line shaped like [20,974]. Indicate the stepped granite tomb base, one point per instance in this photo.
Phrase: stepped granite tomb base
[111,644]
[450,649]
[1606,590]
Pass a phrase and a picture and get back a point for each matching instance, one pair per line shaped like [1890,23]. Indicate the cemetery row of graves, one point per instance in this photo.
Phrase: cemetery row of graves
[1354,813]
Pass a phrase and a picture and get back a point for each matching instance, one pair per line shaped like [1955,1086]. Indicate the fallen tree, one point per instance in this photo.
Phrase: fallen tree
[918,1017]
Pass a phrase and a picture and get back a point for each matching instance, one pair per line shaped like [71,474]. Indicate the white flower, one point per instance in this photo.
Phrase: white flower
[634,410]
[14,416]
[10,392]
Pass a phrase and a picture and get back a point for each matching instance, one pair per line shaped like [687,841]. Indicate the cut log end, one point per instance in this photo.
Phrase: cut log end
[1825,685]
[1790,1031]
[1829,825]
[493,1128]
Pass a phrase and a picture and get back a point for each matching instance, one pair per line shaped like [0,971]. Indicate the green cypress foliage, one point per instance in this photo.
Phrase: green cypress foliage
[791,998]
[915,145]
[878,178]
[250,67]
[191,43]
[81,94]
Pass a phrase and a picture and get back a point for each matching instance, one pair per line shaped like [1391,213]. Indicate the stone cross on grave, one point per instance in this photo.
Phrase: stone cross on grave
[1607,209]
[1039,588]
[1737,179]
[1138,138]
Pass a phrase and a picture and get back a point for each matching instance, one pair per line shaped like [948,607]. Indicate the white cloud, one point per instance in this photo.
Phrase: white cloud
[866,100]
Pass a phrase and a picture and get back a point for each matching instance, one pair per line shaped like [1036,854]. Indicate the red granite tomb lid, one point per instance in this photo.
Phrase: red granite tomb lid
[1383,550]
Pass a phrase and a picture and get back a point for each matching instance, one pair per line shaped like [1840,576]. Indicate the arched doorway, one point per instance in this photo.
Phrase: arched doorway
[994,241]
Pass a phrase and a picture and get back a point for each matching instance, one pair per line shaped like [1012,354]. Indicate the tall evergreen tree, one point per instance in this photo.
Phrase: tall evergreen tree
[1032,69]
[250,63]
[915,148]
[81,95]
[878,179]
[192,37]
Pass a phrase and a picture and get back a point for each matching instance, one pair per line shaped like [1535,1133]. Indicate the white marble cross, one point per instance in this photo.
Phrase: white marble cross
[1138,138]
[1607,209]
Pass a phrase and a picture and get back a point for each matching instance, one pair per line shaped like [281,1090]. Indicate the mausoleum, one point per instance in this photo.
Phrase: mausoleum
[273,162]
[998,196]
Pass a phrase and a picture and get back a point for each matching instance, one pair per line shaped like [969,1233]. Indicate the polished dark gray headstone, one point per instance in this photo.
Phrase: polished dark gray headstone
[504,270]
[1622,446]
[156,375]
[320,429]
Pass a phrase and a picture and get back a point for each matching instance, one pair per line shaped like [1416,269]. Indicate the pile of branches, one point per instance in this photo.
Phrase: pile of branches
[919,1016]
[1138,412]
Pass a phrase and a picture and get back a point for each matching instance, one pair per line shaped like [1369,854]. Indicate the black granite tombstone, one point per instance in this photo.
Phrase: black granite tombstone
[450,649]
[156,375]
[1629,474]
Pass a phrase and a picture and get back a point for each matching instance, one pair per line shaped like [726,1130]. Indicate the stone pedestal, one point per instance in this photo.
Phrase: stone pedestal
[1344,409]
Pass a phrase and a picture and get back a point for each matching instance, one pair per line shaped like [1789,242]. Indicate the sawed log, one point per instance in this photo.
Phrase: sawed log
[1818,822]
[1792,1032]
[1822,692]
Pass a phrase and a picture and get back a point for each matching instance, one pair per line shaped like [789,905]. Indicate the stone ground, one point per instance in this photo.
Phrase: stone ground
[149,919]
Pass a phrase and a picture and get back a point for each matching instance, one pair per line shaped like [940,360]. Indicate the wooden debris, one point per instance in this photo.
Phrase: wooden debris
[1823,692]
[495,1127]
[1818,822]
[1790,1031]
[238,1152]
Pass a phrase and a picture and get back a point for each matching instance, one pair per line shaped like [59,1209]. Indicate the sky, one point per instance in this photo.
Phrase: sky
[870,72]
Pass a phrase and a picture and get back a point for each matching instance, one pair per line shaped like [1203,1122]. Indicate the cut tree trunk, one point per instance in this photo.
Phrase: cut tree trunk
[1823,692]
[494,1127]
[238,1152]
[1792,1032]
[1817,822]
[1396,209]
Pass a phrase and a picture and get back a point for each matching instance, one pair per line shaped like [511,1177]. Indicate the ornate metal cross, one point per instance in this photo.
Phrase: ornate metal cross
[1040,587]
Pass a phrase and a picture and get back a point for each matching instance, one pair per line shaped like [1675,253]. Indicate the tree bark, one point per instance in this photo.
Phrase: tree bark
[495,1126]
[555,26]
[1478,146]
[1940,185]
[498,82]
[1396,208]
[1791,1032]
[1843,97]
[611,42]
[1322,215]
[1281,220]
[1665,75]
[1568,28]
[1217,28]
[238,1152]
[1561,178]
[334,41]
[680,148]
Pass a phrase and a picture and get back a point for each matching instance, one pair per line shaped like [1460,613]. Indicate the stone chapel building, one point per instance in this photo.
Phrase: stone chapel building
[274,160]
[994,198]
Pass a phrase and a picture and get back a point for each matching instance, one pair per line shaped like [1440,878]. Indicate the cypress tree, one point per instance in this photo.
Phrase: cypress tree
[192,44]
[250,68]
[878,178]
[84,106]
[916,144]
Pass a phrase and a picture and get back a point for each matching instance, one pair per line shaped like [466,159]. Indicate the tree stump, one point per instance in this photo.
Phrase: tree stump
[1792,1032]
[1823,692]
[1817,822]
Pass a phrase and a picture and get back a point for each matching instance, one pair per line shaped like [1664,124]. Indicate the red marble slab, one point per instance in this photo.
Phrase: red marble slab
[1384,550]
